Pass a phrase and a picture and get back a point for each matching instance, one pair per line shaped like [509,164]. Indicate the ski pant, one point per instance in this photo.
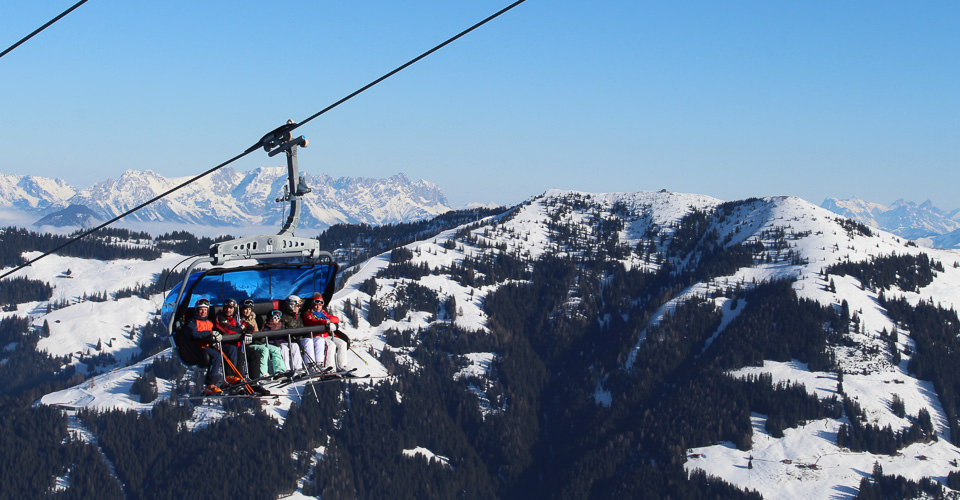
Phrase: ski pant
[216,370]
[314,348]
[267,360]
[290,352]
[336,352]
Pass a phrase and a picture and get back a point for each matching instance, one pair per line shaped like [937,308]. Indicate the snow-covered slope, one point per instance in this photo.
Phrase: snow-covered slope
[806,462]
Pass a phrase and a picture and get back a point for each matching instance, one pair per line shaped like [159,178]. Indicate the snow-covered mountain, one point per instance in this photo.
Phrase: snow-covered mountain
[924,222]
[32,193]
[638,262]
[227,198]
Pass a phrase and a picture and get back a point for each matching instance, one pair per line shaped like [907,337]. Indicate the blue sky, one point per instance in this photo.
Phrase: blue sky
[730,99]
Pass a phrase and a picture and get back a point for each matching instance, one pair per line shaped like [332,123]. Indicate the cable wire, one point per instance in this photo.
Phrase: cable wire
[254,147]
[410,62]
[38,30]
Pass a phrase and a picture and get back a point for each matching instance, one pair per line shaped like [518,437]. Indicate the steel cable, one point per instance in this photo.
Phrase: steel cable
[38,30]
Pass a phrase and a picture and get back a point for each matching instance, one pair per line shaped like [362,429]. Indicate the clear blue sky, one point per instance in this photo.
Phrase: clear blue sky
[730,99]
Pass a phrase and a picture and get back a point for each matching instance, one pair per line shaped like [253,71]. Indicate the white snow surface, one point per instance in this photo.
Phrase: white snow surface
[429,455]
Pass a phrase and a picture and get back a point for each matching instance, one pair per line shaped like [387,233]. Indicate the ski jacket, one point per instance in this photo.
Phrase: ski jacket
[290,320]
[272,340]
[314,318]
[229,325]
[200,330]
[251,319]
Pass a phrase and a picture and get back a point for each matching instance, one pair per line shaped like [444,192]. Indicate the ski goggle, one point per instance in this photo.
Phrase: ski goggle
[247,303]
[202,303]
[318,301]
[275,314]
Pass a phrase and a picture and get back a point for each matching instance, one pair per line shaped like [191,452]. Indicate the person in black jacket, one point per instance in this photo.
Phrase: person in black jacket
[200,330]
[290,318]
[228,322]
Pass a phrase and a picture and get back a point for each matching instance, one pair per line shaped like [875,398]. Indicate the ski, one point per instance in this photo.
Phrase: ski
[341,375]
[326,376]
[273,398]
[296,376]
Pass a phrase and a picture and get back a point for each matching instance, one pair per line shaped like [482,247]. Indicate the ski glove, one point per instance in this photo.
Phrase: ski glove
[216,337]
[332,327]
[247,339]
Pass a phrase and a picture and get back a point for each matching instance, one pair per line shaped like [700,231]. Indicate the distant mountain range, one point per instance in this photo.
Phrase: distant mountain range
[224,198]
[923,223]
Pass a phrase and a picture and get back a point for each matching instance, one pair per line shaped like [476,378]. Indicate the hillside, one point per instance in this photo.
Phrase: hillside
[581,345]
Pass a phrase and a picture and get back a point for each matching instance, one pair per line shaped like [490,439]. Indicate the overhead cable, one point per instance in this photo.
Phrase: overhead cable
[38,30]
[410,62]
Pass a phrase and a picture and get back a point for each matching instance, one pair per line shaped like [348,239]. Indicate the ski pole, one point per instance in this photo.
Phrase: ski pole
[246,364]
[355,353]
[313,387]
[290,350]
[243,345]
[242,378]
[246,367]
[223,371]
[294,376]
[307,360]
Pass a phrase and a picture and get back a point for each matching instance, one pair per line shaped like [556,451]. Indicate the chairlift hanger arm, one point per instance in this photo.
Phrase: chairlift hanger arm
[275,137]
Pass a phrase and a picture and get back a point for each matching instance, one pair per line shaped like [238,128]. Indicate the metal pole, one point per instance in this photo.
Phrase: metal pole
[223,370]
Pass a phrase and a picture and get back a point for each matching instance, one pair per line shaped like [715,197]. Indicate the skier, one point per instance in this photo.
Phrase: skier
[335,348]
[289,351]
[313,344]
[228,322]
[266,356]
[200,329]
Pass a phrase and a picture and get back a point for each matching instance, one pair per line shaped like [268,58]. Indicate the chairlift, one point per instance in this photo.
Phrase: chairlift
[284,265]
